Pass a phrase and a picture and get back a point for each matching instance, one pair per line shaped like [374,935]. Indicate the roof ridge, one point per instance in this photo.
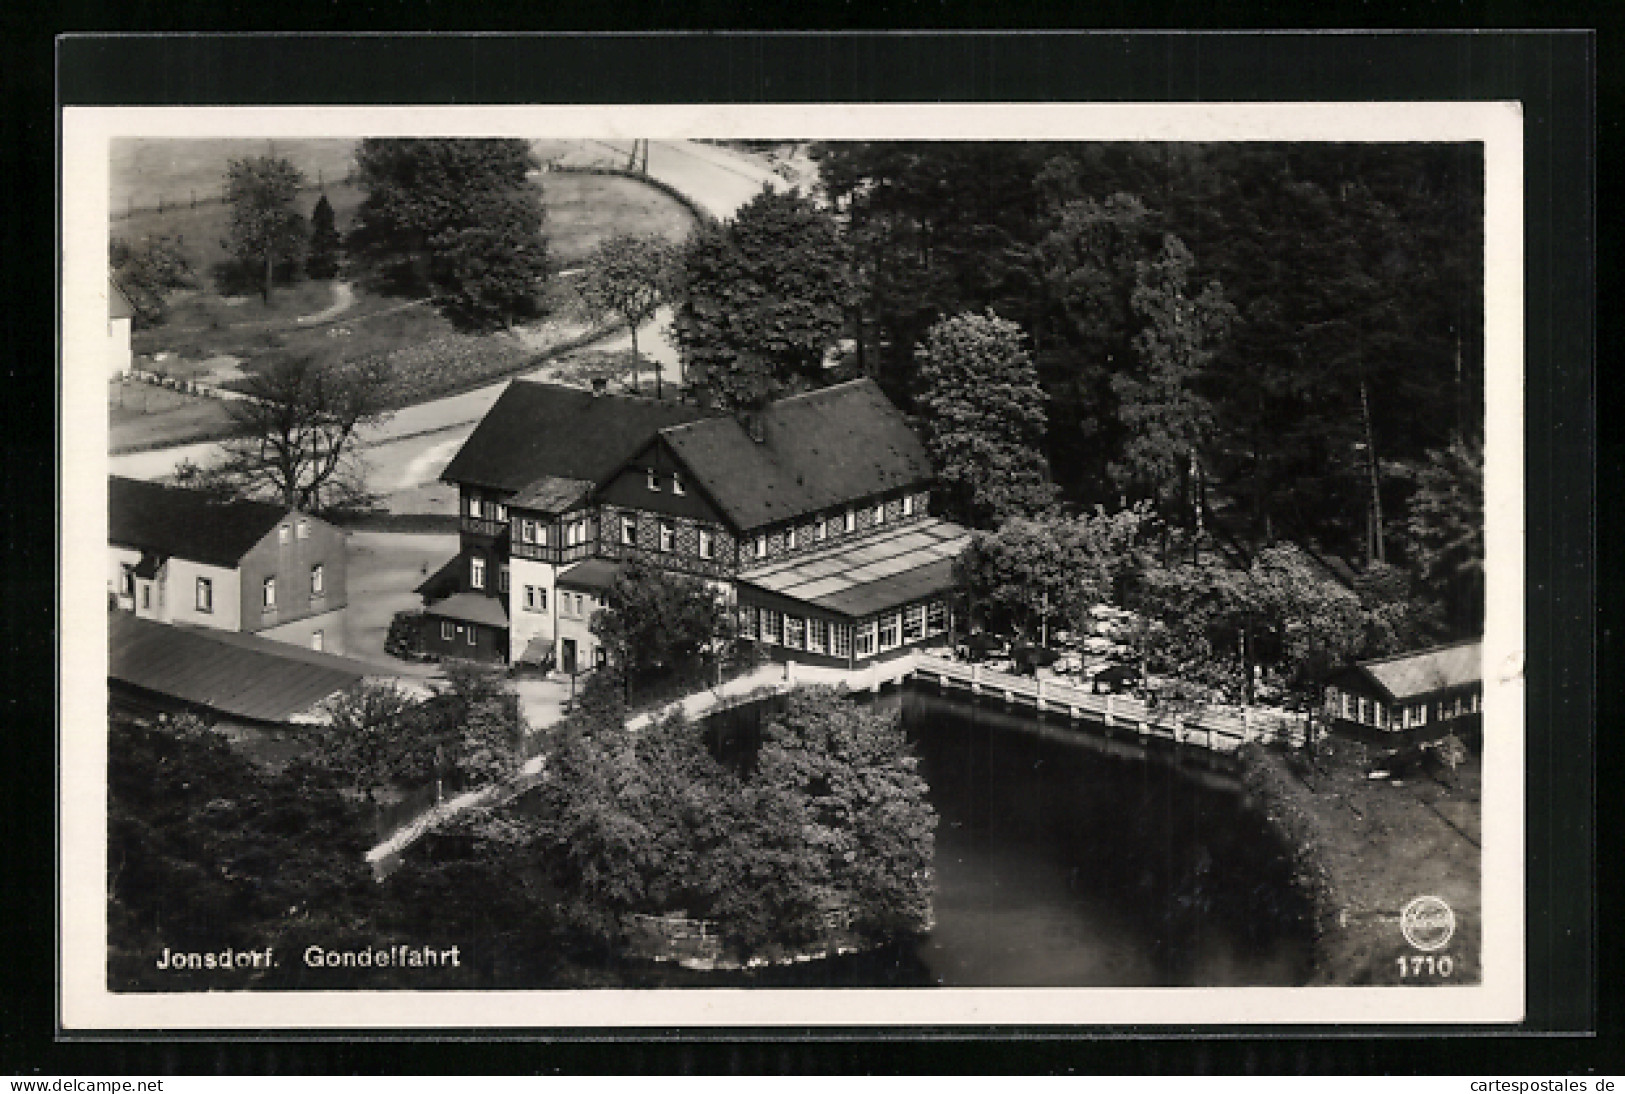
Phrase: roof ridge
[1423,652]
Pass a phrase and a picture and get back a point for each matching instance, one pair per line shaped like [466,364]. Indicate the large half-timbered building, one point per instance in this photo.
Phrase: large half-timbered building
[811,516]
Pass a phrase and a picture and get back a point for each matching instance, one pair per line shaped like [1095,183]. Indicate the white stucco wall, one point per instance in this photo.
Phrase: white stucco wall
[525,624]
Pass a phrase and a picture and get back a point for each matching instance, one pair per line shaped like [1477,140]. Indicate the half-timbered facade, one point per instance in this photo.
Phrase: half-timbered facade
[560,487]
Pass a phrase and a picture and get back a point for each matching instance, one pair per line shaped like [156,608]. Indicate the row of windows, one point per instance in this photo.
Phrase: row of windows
[676,482]
[301,528]
[448,633]
[913,623]
[539,533]
[666,536]
[1372,712]
[205,589]
[820,530]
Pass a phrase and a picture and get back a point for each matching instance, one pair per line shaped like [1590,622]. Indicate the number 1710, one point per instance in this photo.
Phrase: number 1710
[1419,965]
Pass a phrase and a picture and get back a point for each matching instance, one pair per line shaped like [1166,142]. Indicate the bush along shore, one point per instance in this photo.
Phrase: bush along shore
[1364,849]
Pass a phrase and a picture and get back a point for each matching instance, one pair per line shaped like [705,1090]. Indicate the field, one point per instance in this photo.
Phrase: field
[142,416]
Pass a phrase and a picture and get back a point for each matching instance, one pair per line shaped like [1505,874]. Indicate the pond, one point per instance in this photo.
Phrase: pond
[1067,860]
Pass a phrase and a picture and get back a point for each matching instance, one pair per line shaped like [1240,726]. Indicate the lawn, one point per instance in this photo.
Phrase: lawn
[1373,846]
[142,416]
[144,171]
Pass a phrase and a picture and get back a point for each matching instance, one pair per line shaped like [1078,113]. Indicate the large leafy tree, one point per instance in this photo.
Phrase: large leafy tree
[266,229]
[629,277]
[148,272]
[658,623]
[457,218]
[300,422]
[984,419]
[764,296]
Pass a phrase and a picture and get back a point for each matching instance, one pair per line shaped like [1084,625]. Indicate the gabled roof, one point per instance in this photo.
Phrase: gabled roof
[819,451]
[552,495]
[240,675]
[537,431]
[470,608]
[1412,675]
[178,523]
[870,574]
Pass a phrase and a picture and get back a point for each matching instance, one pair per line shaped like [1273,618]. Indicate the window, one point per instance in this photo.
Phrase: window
[146,595]
[865,644]
[318,580]
[502,579]
[1419,715]
[770,626]
[668,536]
[304,533]
[908,505]
[1472,703]
[849,523]
[476,572]
[914,623]
[575,533]
[473,635]
[821,531]
[448,633]
[282,534]
[677,483]
[268,593]
[126,581]
[888,631]
[1365,711]
[761,546]
[880,513]
[316,640]
[654,480]
[936,617]
[708,543]
[629,530]
[817,635]
[527,530]
[501,512]
[747,621]
[840,639]
[790,538]
[205,595]
[535,598]
[473,505]
[795,632]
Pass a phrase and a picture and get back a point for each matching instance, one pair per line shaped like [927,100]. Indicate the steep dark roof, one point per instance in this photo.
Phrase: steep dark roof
[546,430]
[236,674]
[819,451]
[179,523]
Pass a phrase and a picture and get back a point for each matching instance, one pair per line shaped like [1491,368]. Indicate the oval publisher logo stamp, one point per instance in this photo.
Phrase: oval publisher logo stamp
[1427,923]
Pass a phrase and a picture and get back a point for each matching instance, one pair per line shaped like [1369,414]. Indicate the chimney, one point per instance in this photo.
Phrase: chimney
[599,386]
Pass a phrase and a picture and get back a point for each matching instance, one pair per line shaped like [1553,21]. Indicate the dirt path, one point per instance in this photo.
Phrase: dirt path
[343,300]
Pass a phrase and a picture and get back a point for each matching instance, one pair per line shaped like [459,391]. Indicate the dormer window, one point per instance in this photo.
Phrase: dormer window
[677,483]
[654,480]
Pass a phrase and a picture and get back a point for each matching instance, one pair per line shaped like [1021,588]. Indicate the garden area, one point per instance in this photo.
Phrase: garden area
[210,329]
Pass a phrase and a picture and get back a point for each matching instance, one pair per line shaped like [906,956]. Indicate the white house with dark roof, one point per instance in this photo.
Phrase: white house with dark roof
[1410,696]
[813,519]
[182,556]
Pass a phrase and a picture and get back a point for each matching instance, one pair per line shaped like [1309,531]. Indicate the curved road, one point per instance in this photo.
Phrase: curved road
[415,444]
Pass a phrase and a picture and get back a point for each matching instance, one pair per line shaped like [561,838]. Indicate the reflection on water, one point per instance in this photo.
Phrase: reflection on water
[1063,862]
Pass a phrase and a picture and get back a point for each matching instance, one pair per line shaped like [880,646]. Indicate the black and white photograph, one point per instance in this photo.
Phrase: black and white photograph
[822,565]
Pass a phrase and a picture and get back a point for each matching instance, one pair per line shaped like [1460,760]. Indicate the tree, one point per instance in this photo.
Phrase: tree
[1166,418]
[148,273]
[658,623]
[1031,571]
[459,219]
[763,297]
[326,246]
[984,419]
[300,418]
[266,229]
[630,276]
[1446,528]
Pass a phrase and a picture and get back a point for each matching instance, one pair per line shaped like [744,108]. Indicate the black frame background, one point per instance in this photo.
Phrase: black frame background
[1554,75]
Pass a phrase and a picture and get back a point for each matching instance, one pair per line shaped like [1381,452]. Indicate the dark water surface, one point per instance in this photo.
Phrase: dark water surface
[1065,859]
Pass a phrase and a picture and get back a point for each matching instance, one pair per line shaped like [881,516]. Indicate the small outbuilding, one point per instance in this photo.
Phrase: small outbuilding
[1410,697]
